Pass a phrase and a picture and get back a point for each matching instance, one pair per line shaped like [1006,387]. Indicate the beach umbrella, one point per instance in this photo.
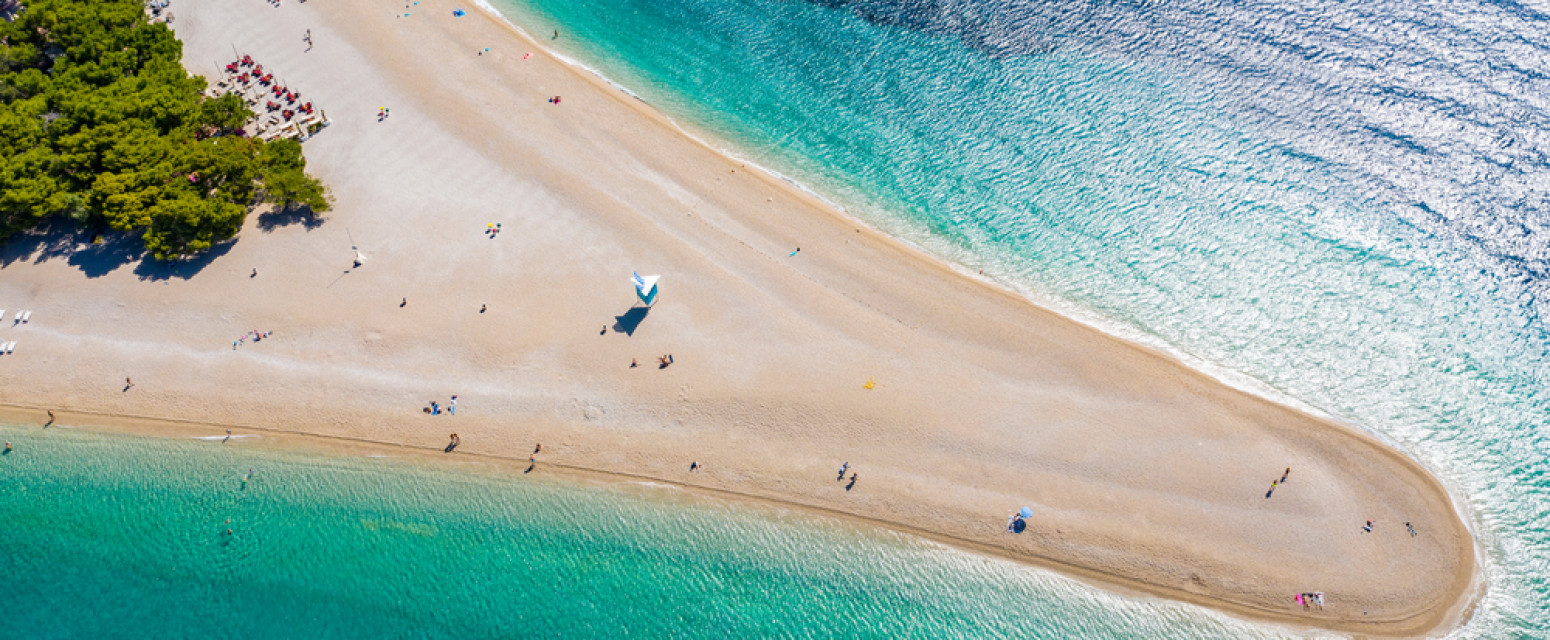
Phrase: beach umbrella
[1026,512]
[646,288]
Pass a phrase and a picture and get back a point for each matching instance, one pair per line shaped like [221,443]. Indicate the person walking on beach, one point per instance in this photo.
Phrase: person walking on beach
[1286,473]
[843,468]
[483,307]
[1368,527]
[50,417]
[537,448]
[128,384]
[1410,529]
[403,303]
[694,466]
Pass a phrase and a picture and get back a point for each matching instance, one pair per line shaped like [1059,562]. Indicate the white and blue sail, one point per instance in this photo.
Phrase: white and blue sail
[646,288]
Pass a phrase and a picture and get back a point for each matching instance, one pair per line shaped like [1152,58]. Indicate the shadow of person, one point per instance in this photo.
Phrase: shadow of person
[852,484]
[529,468]
[450,447]
[627,323]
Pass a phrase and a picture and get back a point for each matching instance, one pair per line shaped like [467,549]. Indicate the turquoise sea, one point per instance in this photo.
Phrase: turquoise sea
[1345,206]
[114,536]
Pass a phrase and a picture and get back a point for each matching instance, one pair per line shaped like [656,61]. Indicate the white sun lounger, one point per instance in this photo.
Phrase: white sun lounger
[18,316]
[11,346]
[26,317]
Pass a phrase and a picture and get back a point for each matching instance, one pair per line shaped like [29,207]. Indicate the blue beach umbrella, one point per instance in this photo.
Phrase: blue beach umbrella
[1026,512]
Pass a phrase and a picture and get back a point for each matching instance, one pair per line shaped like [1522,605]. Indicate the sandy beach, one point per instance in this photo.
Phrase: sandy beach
[1142,473]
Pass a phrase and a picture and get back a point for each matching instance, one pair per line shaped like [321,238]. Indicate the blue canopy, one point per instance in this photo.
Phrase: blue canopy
[646,288]
[1026,512]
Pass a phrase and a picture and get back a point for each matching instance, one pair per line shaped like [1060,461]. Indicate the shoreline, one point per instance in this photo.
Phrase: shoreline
[307,384]
[509,468]
[1452,617]
[1044,301]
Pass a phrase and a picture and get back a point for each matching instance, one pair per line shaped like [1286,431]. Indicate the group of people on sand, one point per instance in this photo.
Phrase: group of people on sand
[255,334]
[1277,483]
[853,475]
[434,408]
[157,7]
[662,363]
[1308,599]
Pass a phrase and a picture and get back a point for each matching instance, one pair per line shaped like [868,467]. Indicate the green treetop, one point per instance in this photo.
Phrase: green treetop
[100,123]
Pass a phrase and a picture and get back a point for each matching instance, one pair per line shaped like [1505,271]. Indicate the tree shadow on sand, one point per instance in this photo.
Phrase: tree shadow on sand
[277,217]
[114,251]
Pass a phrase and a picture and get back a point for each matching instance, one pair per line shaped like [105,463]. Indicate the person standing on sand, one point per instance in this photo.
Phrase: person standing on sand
[1368,527]
[128,384]
[1286,473]
[403,303]
[538,447]
[50,417]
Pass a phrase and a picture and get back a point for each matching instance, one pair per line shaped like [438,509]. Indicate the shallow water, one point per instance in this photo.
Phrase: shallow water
[124,536]
[1344,206]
